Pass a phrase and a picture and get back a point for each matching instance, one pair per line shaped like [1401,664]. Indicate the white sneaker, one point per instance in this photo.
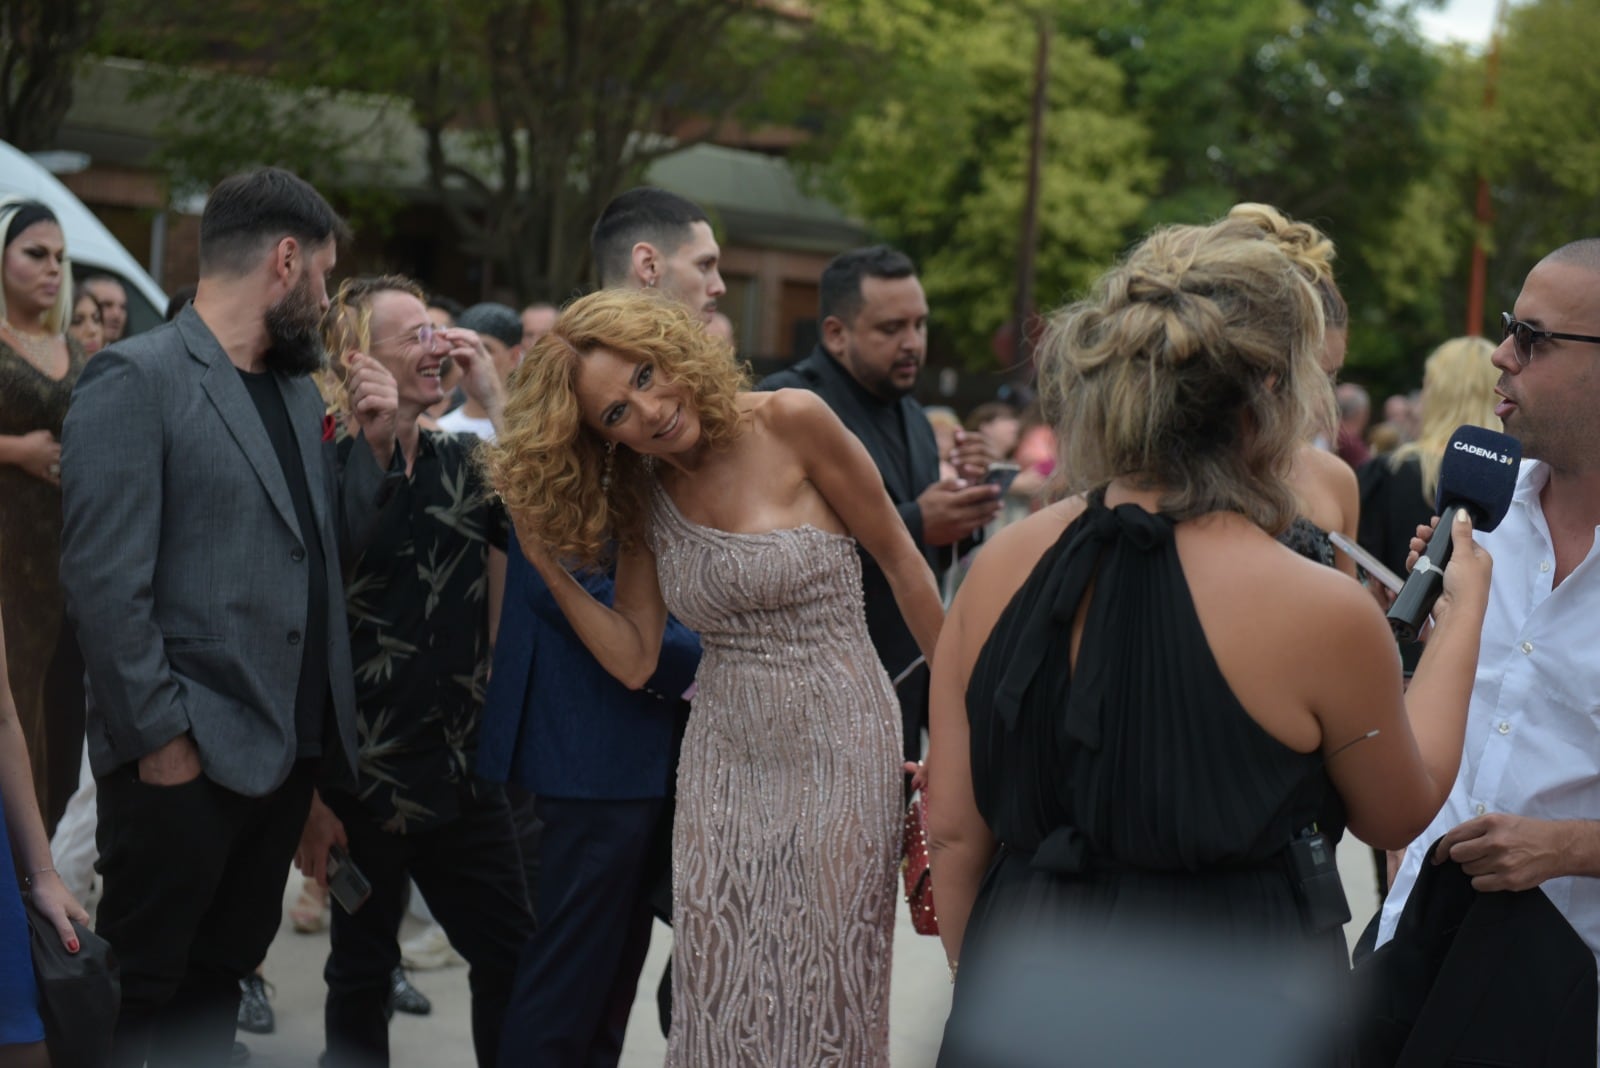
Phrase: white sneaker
[429,949]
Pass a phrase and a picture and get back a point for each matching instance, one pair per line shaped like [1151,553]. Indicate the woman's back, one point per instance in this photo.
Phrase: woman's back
[1132,760]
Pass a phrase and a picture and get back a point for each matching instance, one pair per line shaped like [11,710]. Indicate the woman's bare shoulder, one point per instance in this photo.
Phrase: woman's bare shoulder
[1005,561]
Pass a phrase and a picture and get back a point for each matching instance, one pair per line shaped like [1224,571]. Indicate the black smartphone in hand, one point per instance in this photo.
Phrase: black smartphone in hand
[345,882]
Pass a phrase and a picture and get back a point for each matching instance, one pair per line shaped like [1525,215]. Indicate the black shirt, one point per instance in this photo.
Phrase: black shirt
[417,601]
[311,695]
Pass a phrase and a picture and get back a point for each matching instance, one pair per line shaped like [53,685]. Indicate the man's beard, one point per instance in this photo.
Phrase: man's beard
[294,340]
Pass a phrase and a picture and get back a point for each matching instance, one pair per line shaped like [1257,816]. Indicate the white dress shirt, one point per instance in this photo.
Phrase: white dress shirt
[1532,744]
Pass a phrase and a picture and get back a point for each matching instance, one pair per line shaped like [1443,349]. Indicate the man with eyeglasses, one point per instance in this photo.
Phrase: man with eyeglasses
[1525,809]
[418,599]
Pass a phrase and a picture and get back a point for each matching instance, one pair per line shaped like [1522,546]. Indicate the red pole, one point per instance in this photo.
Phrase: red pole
[1483,215]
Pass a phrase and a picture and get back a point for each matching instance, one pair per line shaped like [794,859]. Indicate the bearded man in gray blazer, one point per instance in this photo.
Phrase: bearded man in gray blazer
[204,521]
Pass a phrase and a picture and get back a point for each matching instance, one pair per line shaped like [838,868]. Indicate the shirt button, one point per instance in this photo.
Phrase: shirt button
[1504,728]
[294,637]
[297,554]
[1544,565]
[1479,809]
[1526,647]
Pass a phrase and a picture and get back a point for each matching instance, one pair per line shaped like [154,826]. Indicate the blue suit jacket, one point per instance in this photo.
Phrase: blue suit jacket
[560,725]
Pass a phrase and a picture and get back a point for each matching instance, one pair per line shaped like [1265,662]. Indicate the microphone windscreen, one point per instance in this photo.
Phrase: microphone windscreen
[1479,471]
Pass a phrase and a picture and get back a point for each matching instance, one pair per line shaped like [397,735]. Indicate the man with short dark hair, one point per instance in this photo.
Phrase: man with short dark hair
[599,757]
[651,239]
[1525,808]
[204,522]
[874,325]
[113,304]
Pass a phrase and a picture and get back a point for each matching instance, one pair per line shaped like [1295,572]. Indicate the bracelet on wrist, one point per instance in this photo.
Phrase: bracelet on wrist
[29,877]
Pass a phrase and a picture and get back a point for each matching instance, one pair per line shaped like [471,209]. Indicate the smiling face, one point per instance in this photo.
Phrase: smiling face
[1552,406]
[633,404]
[33,273]
[689,275]
[404,343]
[884,346]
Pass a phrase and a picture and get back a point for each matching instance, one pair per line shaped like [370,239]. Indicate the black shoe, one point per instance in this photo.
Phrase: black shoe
[240,1054]
[406,998]
[255,1011]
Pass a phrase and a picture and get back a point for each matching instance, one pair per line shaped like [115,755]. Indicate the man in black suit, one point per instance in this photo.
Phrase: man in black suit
[874,324]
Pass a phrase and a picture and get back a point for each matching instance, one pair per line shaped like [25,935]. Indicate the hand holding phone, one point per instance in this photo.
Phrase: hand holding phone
[345,882]
[1002,474]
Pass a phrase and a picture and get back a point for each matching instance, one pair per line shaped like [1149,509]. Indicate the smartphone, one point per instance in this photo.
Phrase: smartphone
[1369,563]
[1002,474]
[345,882]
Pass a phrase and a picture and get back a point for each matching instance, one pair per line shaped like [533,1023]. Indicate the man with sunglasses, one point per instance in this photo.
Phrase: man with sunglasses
[1525,809]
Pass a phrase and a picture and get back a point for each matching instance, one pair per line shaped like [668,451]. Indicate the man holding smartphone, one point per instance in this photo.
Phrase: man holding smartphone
[873,317]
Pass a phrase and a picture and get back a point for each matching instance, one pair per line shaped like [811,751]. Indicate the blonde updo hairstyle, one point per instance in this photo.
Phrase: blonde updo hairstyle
[547,463]
[1192,367]
[1458,383]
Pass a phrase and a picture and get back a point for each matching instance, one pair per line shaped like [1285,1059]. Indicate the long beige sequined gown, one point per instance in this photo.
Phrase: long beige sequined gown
[786,839]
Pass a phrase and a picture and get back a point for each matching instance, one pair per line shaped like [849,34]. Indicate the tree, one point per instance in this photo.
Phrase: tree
[1325,109]
[532,113]
[40,42]
[938,166]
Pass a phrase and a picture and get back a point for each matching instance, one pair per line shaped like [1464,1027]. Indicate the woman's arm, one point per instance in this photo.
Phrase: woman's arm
[625,638]
[959,843]
[29,846]
[839,466]
[1394,782]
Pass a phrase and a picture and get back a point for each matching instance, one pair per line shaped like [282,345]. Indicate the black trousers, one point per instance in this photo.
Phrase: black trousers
[577,977]
[470,874]
[194,879]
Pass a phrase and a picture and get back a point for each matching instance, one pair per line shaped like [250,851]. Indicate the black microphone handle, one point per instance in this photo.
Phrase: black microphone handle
[1426,581]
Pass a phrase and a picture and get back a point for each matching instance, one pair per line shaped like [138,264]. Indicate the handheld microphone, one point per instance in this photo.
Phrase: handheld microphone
[1478,476]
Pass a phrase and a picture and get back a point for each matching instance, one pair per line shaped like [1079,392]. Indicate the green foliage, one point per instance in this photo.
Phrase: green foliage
[40,42]
[938,165]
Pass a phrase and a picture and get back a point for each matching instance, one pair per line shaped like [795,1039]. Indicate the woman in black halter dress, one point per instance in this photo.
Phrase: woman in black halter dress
[1152,721]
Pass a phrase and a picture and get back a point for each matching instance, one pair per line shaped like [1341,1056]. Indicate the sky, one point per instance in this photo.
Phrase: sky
[1459,20]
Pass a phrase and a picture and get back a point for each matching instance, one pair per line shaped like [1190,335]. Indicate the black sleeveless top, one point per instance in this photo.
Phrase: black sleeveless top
[1119,783]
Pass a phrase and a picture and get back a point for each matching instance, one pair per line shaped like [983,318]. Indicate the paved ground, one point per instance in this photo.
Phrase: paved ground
[921,995]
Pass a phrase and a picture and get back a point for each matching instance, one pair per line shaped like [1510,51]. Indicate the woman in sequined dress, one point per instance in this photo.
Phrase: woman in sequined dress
[740,513]
[39,366]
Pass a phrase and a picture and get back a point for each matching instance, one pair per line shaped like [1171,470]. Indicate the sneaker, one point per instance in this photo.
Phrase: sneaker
[240,1054]
[428,950]
[255,1011]
[405,997]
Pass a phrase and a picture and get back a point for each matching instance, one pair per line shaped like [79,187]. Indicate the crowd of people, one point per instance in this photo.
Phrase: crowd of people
[547,624]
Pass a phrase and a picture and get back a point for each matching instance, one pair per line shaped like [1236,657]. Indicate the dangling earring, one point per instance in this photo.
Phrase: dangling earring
[605,472]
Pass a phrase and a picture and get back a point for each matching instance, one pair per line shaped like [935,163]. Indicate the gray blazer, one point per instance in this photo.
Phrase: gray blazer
[182,560]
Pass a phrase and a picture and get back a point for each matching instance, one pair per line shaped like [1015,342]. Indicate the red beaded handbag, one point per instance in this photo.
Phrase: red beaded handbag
[914,866]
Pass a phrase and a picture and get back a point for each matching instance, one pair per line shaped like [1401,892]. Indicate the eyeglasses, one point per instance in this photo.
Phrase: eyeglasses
[1526,337]
[424,335]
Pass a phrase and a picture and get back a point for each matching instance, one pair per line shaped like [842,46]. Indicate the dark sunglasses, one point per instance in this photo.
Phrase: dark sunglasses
[1526,337]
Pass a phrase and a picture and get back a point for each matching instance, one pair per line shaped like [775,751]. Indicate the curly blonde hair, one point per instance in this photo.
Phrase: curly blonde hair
[346,325]
[548,465]
[1192,366]
[1311,250]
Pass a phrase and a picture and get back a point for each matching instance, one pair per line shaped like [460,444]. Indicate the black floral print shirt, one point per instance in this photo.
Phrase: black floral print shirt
[418,605]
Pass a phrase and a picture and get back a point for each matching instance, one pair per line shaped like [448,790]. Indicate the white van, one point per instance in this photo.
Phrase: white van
[90,245]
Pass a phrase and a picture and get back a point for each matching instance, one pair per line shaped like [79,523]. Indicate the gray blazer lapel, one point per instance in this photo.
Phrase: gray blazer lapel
[221,383]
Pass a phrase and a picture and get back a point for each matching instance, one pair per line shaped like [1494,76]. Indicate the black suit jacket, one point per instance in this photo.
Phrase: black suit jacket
[822,375]
[1478,979]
